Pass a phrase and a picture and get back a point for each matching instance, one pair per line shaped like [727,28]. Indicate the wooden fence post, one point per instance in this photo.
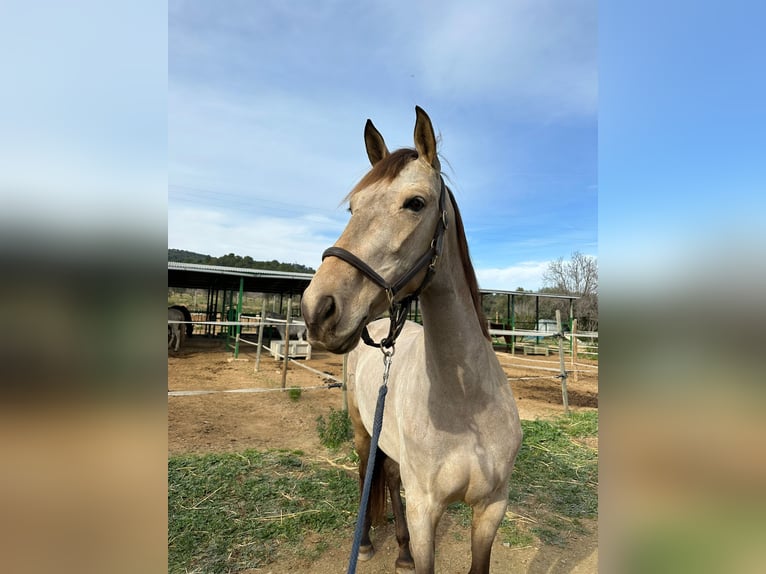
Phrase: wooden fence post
[563,375]
[345,382]
[574,349]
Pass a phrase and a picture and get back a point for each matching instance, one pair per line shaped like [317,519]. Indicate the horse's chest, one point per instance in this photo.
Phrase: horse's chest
[453,467]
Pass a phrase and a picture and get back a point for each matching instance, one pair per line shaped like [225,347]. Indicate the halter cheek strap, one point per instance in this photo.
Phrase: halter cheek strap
[354,261]
[399,310]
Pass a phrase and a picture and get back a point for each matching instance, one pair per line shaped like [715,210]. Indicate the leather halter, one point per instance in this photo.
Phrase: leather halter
[398,310]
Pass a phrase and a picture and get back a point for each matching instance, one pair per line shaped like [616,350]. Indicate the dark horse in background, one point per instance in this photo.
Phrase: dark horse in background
[187,317]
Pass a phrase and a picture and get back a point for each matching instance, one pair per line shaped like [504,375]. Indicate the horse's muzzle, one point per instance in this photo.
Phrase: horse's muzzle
[324,323]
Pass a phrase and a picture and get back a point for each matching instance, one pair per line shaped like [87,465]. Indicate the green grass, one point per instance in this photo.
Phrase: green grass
[229,512]
[555,480]
[336,430]
[588,356]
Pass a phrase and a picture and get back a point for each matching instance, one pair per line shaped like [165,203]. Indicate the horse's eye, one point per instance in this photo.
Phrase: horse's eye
[415,203]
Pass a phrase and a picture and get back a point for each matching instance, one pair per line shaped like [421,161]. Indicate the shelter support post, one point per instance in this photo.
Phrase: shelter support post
[537,318]
[261,327]
[215,312]
[209,314]
[571,324]
[287,341]
[513,324]
[239,316]
[574,349]
[227,315]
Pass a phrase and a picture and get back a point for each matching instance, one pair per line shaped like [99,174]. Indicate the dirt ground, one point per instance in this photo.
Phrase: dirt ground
[259,416]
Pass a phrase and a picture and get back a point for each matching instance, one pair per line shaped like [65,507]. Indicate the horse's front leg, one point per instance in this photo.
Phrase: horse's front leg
[404,563]
[422,516]
[487,516]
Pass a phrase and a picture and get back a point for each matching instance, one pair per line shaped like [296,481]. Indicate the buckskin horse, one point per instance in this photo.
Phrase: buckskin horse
[450,429]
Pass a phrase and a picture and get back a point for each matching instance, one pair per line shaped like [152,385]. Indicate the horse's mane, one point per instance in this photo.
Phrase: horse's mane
[470,274]
[388,169]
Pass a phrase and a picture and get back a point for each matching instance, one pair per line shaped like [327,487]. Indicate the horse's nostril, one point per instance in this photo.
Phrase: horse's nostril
[326,308]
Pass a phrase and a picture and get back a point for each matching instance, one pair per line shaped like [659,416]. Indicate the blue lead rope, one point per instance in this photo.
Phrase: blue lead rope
[377,424]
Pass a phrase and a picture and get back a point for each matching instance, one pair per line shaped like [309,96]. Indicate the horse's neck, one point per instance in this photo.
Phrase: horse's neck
[453,337]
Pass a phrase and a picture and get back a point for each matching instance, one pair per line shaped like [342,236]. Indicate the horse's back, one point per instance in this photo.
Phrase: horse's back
[175,314]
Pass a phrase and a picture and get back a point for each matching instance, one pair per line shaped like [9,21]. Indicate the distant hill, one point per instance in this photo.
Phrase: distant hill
[231,260]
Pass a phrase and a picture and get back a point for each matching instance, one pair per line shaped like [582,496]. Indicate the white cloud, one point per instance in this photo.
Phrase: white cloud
[283,145]
[541,55]
[291,240]
[526,274]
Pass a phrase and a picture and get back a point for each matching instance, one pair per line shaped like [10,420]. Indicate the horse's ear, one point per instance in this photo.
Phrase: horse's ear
[373,141]
[425,140]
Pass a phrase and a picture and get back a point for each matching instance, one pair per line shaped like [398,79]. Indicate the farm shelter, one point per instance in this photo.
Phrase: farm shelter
[512,298]
[225,287]
[510,312]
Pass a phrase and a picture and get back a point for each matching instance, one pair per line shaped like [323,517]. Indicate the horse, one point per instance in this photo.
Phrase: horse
[450,429]
[296,328]
[187,317]
[176,333]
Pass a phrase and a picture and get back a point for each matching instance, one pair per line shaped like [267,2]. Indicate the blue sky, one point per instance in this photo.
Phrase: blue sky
[267,103]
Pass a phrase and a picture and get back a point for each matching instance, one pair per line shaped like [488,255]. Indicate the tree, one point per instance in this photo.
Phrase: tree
[578,276]
[233,260]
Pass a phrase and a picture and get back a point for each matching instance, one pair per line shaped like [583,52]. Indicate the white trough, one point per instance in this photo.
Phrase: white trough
[297,349]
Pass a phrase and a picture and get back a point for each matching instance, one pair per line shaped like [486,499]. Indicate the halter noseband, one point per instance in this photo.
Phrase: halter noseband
[399,310]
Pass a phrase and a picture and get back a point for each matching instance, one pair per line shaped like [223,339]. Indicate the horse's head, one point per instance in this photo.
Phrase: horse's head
[396,210]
